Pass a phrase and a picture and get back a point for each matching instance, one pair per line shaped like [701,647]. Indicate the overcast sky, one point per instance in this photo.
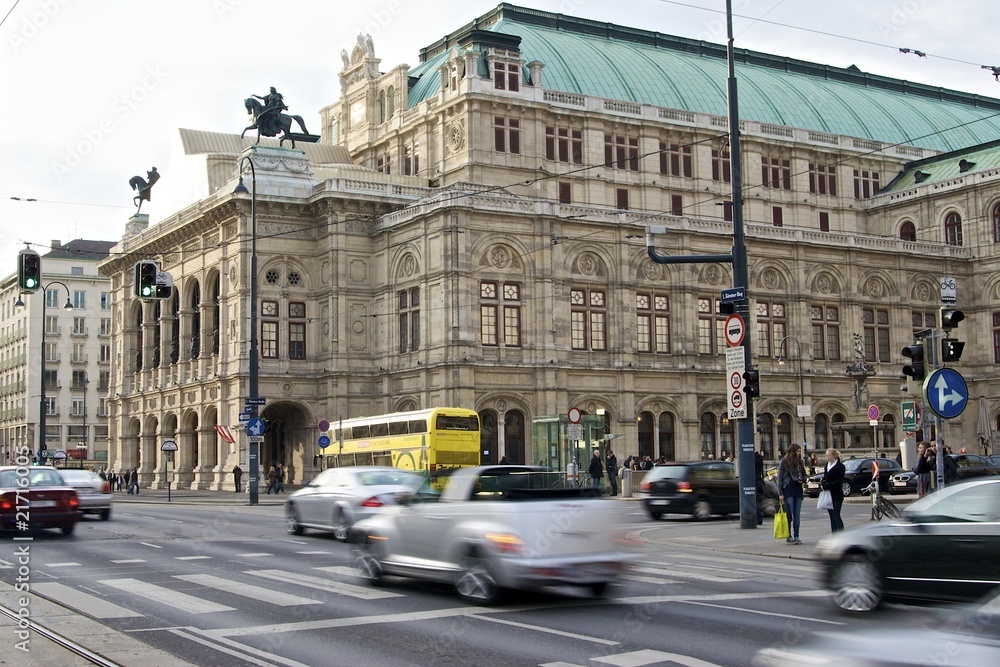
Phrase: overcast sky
[94,92]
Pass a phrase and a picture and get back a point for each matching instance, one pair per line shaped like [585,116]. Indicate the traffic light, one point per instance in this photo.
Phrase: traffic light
[751,383]
[915,369]
[29,271]
[951,349]
[145,279]
[950,318]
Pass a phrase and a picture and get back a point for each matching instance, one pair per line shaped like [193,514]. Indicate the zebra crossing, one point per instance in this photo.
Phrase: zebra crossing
[641,658]
[713,570]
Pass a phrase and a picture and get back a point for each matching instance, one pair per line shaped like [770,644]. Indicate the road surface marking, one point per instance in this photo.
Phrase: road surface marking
[294,541]
[90,605]
[560,664]
[182,601]
[650,580]
[796,617]
[246,590]
[191,557]
[147,544]
[129,560]
[685,575]
[62,565]
[363,592]
[4,565]
[242,655]
[649,656]
[345,570]
[259,554]
[551,631]
[314,553]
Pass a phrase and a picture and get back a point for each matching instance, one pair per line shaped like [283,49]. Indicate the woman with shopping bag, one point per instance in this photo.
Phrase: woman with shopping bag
[831,498]
[791,476]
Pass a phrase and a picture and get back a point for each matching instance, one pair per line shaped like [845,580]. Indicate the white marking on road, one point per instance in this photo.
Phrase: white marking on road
[129,560]
[262,594]
[62,565]
[650,580]
[649,656]
[559,664]
[253,555]
[4,565]
[90,605]
[551,631]
[685,575]
[147,544]
[362,592]
[313,553]
[186,633]
[345,570]
[698,539]
[192,557]
[796,617]
[294,541]
[182,601]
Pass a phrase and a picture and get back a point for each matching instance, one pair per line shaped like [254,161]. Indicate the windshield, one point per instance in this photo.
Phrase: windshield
[77,475]
[979,502]
[666,472]
[390,478]
[853,464]
[36,477]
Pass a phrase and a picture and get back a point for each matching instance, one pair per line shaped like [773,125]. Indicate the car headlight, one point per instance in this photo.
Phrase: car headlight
[829,547]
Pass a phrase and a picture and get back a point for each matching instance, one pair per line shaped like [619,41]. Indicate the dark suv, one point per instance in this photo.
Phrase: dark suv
[702,488]
[858,476]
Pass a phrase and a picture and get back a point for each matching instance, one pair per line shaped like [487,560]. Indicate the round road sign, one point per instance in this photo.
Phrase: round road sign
[736,380]
[324,425]
[737,400]
[574,415]
[873,412]
[735,329]
[324,441]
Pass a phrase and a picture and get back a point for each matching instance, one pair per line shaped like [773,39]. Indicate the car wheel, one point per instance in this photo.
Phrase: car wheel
[292,524]
[846,488]
[475,583]
[68,529]
[105,514]
[702,510]
[857,584]
[599,588]
[655,515]
[341,529]
[369,563]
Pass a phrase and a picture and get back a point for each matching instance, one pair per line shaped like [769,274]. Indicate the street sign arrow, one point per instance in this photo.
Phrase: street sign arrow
[946,392]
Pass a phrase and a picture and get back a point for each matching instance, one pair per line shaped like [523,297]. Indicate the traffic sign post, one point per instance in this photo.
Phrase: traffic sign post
[255,427]
[255,401]
[735,367]
[909,411]
[168,447]
[735,330]
[574,415]
[324,441]
[244,417]
[946,393]
[323,426]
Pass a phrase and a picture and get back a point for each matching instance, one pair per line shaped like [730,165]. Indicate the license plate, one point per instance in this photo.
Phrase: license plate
[660,502]
[43,503]
[812,485]
[899,483]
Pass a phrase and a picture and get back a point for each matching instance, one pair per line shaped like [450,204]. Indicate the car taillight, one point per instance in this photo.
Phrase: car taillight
[506,543]
[374,501]
[73,502]
[644,486]
[6,503]
[684,487]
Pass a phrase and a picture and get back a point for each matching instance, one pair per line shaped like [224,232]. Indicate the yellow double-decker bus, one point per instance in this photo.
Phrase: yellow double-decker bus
[423,440]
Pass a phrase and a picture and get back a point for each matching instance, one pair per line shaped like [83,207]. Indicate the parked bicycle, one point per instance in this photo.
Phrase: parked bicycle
[881,506]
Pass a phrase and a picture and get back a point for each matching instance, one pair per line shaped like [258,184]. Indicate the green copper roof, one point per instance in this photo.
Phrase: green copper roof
[946,166]
[608,61]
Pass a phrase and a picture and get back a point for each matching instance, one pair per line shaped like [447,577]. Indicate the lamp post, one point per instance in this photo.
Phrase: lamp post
[41,372]
[254,447]
[802,391]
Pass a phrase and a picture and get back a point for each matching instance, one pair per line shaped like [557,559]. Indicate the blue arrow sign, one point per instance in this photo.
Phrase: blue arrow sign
[946,393]
[255,426]
[324,441]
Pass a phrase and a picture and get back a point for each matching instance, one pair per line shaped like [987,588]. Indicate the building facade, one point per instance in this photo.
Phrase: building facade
[77,343]
[471,232]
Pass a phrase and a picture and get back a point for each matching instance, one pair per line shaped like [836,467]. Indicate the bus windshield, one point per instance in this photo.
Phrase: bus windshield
[446,423]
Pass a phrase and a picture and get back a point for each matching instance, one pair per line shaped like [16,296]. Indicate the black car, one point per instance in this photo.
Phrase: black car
[701,489]
[944,548]
[969,466]
[858,476]
[903,482]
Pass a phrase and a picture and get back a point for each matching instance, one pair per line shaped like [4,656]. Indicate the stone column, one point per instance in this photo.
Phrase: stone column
[206,472]
[149,325]
[150,468]
[184,458]
[184,347]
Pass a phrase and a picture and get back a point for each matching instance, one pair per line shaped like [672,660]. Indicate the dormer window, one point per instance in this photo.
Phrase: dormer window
[506,76]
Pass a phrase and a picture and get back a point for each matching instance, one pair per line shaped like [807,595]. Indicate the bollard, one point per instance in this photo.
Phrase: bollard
[626,482]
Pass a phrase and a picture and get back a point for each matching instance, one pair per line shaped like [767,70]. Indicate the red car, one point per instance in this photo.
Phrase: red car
[37,497]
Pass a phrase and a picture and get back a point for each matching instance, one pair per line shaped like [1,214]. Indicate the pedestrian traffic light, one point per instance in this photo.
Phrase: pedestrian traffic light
[951,349]
[145,279]
[950,318]
[915,369]
[751,383]
[29,271]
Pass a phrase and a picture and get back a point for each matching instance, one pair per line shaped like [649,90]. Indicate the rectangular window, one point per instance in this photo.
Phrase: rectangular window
[826,332]
[76,270]
[500,313]
[824,221]
[383,164]
[710,325]
[102,407]
[776,173]
[653,323]
[876,335]
[79,380]
[676,205]
[51,325]
[922,320]
[269,330]
[564,145]
[52,298]
[777,216]
[506,76]
[588,319]
[103,380]
[721,166]
[772,327]
[79,353]
[621,152]
[507,135]
[52,352]
[50,406]
[105,300]
[296,330]
[411,160]
[104,327]
[621,198]
[512,315]
[822,179]
[676,160]
[77,409]
[488,308]
[79,326]
[866,183]
[996,338]
[51,379]
[409,319]
[565,193]
[727,211]
[79,299]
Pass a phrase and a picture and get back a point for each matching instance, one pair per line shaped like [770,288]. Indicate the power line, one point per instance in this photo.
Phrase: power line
[9,11]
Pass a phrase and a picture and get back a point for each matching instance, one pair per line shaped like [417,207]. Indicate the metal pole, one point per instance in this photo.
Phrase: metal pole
[41,373]
[86,383]
[939,439]
[254,450]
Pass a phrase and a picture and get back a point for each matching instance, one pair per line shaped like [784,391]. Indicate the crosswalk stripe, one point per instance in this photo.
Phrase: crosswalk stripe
[649,657]
[4,565]
[328,585]
[178,600]
[670,572]
[62,565]
[259,554]
[147,544]
[345,570]
[191,557]
[129,560]
[649,580]
[264,595]
[313,553]
[90,605]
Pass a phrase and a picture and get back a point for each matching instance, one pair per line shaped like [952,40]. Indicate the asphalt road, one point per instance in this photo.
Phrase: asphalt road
[226,585]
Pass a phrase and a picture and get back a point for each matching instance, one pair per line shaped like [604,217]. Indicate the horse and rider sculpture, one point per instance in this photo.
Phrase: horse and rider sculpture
[269,121]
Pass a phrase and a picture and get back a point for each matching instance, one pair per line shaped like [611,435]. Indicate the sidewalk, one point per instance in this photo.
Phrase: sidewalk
[201,497]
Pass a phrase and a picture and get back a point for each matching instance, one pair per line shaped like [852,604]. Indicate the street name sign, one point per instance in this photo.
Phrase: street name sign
[255,401]
[733,295]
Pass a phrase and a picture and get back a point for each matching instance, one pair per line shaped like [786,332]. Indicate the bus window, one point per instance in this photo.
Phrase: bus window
[446,423]
[360,432]
[383,459]
[363,459]
[418,426]
[380,429]
[397,428]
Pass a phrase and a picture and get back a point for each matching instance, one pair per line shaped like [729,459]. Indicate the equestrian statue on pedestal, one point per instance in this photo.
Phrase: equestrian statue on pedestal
[269,121]
[144,186]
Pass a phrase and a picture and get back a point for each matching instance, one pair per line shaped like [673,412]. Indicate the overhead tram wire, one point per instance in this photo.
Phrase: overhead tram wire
[9,12]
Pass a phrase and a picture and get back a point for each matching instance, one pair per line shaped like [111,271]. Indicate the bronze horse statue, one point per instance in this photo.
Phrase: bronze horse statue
[144,187]
[271,122]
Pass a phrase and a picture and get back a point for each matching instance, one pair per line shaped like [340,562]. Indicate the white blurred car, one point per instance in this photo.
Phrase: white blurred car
[94,493]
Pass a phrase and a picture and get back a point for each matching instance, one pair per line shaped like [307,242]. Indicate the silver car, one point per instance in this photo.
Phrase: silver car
[339,497]
[94,493]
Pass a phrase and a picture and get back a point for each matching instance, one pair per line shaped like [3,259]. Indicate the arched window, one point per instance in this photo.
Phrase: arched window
[821,432]
[953,229]
[708,441]
[195,321]
[380,108]
[995,217]
[888,442]
[175,326]
[908,231]
[765,429]
[489,440]
[645,434]
[727,437]
[390,102]
[666,429]
[215,315]
[784,431]
[157,333]
[839,438]
[513,424]
[138,338]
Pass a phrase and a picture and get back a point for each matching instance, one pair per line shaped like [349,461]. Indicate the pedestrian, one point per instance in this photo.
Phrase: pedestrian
[662,461]
[922,469]
[237,475]
[791,475]
[596,469]
[270,481]
[758,469]
[133,481]
[950,467]
[612,468]
[647,463]
[833,481]
[963,450]
[504,461]
[279,479]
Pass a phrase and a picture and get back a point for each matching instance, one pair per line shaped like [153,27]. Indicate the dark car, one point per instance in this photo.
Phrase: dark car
[38,496]
[944,548]
[903,482]
[701,489]
[858,476]
[969,466]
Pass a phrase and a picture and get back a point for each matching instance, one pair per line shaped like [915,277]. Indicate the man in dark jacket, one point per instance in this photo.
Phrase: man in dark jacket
[596,469]
[612,467]
[237,476]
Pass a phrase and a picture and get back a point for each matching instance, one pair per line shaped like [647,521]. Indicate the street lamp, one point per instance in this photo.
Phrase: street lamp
[802,391]
[241,189]
[41,403]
